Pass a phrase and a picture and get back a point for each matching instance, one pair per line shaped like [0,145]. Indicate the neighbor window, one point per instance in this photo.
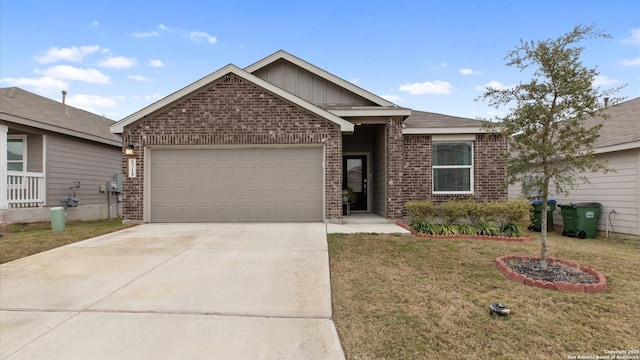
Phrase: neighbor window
[453,167]
[16,153]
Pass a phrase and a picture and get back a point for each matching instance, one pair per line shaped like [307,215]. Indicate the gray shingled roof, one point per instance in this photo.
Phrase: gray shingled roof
[26,108]
[423,119]
[621,127]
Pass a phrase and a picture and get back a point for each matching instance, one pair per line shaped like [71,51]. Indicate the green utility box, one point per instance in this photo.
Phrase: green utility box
[58,219]
[580,219]
[537,215]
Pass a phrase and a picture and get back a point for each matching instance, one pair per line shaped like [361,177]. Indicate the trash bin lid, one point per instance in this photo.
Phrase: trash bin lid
[539,202]
[580,205]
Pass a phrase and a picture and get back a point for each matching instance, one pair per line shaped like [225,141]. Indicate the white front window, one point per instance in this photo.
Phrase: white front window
[16,153]
[453,167]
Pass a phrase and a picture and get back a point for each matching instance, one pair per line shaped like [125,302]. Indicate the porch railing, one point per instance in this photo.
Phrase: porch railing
[25,189]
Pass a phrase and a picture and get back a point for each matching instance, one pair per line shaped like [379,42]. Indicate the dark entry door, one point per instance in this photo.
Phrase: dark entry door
[354,176]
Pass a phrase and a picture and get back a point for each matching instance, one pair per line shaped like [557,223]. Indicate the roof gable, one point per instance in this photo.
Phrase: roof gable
[323,88]
[118,127]
[620,129]
[28,109]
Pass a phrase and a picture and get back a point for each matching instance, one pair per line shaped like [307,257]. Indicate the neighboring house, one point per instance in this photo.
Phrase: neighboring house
[47,149]
[280,139]
[619,145]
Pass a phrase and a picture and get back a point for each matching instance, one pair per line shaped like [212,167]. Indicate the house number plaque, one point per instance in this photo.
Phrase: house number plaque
[132,168]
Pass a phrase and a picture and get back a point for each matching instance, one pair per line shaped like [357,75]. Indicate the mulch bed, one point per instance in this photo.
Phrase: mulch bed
[555,272]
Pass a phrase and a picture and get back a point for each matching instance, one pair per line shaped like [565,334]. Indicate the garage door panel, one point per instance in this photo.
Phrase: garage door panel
[236,184]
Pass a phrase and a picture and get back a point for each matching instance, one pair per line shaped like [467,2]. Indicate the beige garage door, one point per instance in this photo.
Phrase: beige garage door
[236,184]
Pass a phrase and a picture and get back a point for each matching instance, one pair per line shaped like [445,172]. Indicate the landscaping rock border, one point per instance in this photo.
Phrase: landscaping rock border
[459,236]
[599,287]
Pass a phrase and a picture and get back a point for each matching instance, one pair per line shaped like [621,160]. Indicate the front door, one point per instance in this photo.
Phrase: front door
[354,176]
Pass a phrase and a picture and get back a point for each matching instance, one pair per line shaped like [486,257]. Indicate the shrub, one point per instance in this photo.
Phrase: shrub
[512,229]
[466,229]
[423,226]
[420,210]
[517,211]
[451,211]
[484,227]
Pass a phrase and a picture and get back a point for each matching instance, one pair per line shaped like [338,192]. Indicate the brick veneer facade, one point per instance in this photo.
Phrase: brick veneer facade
[395,155]
[489,169]
[233,111]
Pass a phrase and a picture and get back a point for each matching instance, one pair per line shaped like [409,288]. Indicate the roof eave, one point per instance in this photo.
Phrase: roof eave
[444,130]
[56,129]
[371,112]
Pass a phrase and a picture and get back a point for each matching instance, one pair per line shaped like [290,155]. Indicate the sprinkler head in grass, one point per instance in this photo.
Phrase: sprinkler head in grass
[497,308]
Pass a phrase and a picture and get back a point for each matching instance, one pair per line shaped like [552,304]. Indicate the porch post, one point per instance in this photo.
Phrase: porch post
[4,203]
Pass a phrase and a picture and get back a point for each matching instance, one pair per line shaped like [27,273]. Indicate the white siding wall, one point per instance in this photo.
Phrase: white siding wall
[619,191]
[69,159]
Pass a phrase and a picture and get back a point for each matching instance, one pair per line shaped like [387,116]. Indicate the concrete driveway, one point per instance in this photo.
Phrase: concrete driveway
[174,291]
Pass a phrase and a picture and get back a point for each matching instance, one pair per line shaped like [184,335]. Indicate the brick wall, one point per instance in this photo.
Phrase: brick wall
[233,111]
[395,155]
[489,169]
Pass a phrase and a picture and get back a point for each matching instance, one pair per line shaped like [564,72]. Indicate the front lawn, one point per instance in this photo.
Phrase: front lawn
[401,297]
[20,240]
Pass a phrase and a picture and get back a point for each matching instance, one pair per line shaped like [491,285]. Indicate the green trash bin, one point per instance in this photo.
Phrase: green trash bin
[537,215]
[580,219]
[58,219]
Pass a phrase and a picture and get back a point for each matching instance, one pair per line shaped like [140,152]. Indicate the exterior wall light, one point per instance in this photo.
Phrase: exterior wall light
[129,149]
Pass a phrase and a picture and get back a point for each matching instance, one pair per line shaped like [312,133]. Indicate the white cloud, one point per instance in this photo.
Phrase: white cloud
[83,101]
[493,85]
[635,37]
[152,97]
[45,84]
[156,63]
[199,36]
[436,87]
[602,80]
[73,54]
[139,78]
[118,62]
[165,28]
[66,72]
[392,98]
[467,71]
[632,62]
[145,34]
[355,81]
[95,23]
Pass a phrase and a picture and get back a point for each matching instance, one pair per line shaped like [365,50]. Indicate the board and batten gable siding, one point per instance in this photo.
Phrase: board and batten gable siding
[69,159]
[308,86]
[619,191]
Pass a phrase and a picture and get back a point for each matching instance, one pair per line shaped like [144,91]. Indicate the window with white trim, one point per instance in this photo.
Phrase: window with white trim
[16,153]
[453,167]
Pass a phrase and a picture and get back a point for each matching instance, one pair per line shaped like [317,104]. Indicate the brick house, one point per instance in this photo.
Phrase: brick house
[280,139]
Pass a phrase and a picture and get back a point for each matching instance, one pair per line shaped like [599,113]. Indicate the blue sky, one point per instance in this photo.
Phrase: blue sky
[116,57]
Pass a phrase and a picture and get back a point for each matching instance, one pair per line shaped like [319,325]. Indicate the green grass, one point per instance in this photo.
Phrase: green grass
[400,297]
[20,240]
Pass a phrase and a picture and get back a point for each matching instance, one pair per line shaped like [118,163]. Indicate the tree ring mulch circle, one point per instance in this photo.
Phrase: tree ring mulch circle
[561,274]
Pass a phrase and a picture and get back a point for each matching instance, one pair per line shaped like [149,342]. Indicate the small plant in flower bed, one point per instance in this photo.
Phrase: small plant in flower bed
[470,218]
[555,272]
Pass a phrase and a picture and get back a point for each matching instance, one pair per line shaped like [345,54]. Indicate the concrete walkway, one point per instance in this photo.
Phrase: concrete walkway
[174,291]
